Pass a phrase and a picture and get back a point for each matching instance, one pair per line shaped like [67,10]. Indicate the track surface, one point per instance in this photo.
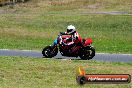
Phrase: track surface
[99,56]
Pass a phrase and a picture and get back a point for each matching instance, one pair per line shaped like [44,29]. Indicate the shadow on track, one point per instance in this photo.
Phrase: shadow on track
[64,58]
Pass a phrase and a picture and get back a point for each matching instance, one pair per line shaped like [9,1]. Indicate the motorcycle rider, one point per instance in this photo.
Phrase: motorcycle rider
[71,44]
[75,38]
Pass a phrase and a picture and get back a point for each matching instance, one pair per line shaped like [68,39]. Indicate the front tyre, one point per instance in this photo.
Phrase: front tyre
[87,53]
[50,51]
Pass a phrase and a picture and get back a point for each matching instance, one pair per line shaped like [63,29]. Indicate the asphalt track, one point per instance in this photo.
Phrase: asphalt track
[99,56]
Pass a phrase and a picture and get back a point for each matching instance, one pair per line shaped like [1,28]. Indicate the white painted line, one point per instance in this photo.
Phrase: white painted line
[114,53]
[4,49]
[29,50]
[20,50]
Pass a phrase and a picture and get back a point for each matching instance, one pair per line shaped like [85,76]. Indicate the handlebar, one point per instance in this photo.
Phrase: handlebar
[61,40]
[62,33]
[60,37]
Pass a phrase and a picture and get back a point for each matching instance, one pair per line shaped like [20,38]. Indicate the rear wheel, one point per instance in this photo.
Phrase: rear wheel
[50,51]
[87,53]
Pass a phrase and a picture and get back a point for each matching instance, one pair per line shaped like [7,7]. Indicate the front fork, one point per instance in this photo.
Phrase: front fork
[55,42]
[54,46]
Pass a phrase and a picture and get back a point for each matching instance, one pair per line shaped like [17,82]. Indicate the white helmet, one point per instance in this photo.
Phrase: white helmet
[71,29]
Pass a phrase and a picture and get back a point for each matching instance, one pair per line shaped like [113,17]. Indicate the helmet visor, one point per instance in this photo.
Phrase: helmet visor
[69,30]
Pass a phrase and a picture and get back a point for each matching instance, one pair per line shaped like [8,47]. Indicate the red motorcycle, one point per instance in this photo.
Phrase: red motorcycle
[84,50]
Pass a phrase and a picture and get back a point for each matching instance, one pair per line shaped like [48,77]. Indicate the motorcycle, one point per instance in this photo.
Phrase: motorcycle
[85,50]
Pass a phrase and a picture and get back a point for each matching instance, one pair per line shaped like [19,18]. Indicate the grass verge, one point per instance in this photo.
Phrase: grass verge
[25,72]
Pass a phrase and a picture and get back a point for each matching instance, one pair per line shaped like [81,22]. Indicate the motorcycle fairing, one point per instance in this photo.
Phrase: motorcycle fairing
[88,41]
[55,42]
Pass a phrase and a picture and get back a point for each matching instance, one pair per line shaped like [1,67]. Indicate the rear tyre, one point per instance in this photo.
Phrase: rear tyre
[87,53]
[49,51]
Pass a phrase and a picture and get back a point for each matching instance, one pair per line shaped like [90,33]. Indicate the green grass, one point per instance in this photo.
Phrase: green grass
[85,5]
[36,24]
[23,72]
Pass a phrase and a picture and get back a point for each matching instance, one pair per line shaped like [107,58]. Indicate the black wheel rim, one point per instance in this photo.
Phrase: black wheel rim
[47,52]
[87,54]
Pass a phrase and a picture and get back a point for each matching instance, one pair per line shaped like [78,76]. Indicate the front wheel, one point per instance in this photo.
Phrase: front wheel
[87,53]
[50,51]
